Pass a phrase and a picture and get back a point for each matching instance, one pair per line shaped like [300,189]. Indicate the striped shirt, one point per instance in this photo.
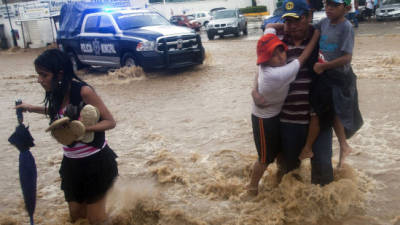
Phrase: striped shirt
[79,149]
[296,108]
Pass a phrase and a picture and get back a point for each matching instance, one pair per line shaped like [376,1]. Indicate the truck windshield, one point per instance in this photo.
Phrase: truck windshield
[136,20]
[225,14]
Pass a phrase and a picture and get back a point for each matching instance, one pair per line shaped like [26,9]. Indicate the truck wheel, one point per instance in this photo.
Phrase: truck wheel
[245,30]
[76,64]
[128,60]
[205,24]
[210,36]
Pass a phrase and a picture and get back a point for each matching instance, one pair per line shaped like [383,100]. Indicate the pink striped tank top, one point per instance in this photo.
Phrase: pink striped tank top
[79,149]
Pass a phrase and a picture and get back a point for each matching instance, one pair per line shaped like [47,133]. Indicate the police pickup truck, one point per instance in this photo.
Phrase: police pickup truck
[97,36]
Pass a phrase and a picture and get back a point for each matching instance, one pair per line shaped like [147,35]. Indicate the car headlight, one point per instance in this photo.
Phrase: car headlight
[145,46]
[234,24]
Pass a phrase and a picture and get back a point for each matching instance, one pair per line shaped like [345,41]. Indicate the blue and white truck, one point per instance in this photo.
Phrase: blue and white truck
[99,36]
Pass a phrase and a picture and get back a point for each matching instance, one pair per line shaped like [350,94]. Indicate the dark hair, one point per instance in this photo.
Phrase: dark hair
[55,61]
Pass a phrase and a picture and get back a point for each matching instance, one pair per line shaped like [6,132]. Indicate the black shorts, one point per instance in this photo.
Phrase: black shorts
[87,180]
[267,138]
[368,12]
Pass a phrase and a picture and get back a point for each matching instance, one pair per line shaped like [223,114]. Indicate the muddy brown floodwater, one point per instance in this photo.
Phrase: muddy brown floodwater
[185,146]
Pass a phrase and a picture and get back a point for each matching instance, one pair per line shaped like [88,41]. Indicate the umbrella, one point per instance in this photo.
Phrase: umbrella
[23,140]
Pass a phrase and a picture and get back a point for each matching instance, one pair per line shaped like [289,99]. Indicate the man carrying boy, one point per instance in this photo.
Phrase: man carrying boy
[295,113]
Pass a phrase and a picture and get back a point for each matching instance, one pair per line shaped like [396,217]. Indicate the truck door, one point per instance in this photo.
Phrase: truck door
[88,40]
[109,43]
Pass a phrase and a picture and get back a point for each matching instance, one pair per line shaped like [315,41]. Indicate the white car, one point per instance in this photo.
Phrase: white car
[390,9]
[318,16]
[225,22]
[202,17]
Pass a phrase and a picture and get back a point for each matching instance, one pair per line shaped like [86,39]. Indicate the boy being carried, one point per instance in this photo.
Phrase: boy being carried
[334,94]
[272,82]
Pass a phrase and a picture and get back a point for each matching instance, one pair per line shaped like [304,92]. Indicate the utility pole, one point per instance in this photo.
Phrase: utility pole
[12,30]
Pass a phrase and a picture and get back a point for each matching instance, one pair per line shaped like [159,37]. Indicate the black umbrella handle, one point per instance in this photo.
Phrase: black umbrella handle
[20,117]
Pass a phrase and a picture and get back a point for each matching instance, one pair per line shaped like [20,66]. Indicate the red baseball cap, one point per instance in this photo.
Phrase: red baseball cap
[266,46]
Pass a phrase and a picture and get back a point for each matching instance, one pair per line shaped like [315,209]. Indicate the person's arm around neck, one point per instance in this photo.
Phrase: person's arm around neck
[309,48]
[279,28]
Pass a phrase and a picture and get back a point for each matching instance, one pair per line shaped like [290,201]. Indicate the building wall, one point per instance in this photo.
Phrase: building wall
[7,32]
[45,34]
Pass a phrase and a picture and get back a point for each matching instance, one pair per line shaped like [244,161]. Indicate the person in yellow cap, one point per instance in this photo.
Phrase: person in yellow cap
[272,81]
[88,168]
[297,32]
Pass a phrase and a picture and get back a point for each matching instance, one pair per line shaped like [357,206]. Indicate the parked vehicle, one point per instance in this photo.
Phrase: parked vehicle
[361,14]
[125,37]
[225,22]
[318,16]
[390,9]
[276,17]
[212,11]
[185,21]
[202,17]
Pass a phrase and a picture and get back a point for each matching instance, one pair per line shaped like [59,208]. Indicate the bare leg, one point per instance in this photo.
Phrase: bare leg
[313,131]
[96,212]
[256,174]
[77,211]
[345,148]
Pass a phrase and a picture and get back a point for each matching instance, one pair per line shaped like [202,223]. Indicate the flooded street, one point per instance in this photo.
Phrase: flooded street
[185,144]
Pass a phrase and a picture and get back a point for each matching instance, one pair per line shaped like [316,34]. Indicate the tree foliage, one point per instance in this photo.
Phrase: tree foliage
[255,9]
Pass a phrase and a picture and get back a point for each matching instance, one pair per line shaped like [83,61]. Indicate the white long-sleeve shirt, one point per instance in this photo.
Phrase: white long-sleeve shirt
[273,85]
